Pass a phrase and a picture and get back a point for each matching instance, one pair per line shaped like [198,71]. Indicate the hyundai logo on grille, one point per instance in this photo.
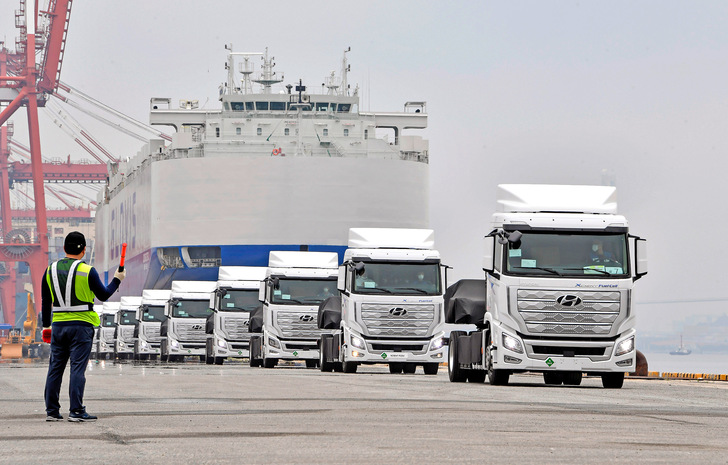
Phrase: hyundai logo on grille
[197,327]
[306,318]
[397,311]
[568,300]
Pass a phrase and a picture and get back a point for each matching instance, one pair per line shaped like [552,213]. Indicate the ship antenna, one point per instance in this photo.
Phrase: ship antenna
[246,69]
[345,68]
[268,76]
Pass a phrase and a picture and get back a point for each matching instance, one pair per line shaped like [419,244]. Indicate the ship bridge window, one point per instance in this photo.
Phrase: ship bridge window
[260,131]
[287,131]
[322,106]
[344,108]
[261,105]
[249,106]
[278,106]
[293,106]
[238,106]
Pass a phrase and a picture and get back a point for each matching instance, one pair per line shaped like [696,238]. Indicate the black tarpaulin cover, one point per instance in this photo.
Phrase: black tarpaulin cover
[256,320]
[329,313]
[465,302]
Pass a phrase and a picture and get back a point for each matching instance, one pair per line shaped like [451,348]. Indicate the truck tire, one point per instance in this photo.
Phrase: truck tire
[219,360]
[163,356]
[553,378]
[208,351]
[311,363]
[270,362]
[323,355]
[613,380]
[572,378]
[430,368]
[409,368]
[476,376]
[495,377]
[349,367]
[454,372]
[338,367]
[395,368]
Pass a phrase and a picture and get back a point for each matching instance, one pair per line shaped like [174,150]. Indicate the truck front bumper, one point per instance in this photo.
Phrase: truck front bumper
[289,349]
[175,347]
[147,348]
[430,350]
[536,355]
[224,348]
[106,347]
[124,347]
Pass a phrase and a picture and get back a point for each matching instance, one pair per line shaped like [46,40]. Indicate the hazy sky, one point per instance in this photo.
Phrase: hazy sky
[516,91]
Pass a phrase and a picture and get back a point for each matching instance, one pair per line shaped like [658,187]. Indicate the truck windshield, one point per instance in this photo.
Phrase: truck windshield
[236,300]
[107,320]
[559,254]
[191,309]
[398,278]
[153,313]
[127,317]
[304,291]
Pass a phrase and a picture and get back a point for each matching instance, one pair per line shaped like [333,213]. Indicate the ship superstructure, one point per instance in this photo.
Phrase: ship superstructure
[285,170]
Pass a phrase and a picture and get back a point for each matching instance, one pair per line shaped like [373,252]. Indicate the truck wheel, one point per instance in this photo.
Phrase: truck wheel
[163,351]
[431,368]
[613,380]
[349,367]
[219,360]
[553,378]
[454,372]
[409,368]
[395,368]
[208,360]
[311,363]
[476,376]
[495,377]
[338,367]
[270,362]
[572,378]
[323,355]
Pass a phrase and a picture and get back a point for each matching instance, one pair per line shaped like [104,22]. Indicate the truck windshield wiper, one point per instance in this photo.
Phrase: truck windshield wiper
[549,270]
[376,289]
[289,300]
[591,269]
[421,291]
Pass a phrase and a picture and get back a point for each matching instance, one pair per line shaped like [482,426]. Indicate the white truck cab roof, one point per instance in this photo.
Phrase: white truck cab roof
[130,302]
[391,244]
[302,264]
[241,277]
[155,296]
[192,289]
[111,307]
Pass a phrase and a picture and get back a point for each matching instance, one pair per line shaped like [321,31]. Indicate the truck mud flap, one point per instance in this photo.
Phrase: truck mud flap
[330,347]
[469,348]
[255,347]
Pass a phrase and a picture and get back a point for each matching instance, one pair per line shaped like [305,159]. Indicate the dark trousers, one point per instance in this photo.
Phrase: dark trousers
[68,342]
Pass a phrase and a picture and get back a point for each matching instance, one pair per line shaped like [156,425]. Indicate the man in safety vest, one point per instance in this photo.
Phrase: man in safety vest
[68,290]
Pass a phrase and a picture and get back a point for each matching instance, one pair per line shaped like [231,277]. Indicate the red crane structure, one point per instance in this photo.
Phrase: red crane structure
[22,83]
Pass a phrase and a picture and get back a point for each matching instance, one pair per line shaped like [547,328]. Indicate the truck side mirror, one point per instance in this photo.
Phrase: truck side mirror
[341,281]
[488,253]
[640,255]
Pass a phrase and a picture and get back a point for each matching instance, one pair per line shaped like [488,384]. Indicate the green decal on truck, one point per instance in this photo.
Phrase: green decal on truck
[549,361]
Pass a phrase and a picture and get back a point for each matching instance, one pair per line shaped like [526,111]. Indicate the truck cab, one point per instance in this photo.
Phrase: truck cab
[391,304]
[295,284]
[234,298]
[560,268]
[183,332]
[125,327]
[150,315]
[107,330]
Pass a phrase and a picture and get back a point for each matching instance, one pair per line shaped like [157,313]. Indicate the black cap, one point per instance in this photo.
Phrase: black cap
[74,243]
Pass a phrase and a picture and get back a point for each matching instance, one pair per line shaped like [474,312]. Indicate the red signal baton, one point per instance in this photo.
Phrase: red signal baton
[123,256]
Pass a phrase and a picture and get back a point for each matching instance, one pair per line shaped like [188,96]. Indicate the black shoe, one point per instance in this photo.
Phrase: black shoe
[54,417]
[81,417]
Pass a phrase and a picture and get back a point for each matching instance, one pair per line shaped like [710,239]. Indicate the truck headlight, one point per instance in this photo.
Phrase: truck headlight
[274,343]
[174,344]
[121,344]
[222,344]
[143,344]
[625,347]
[437,343]
[357,342]
[512,344]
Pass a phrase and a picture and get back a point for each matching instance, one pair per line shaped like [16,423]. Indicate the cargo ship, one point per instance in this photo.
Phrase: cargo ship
[275,167]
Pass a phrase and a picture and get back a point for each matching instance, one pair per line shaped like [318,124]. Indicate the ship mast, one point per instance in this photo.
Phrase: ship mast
[246,69]
[267,76]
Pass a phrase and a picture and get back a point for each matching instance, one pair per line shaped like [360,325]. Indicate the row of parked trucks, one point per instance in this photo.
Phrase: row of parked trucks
[559,266]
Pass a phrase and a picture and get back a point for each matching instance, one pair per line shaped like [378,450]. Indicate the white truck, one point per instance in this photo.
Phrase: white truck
[391,305]
[560,267]
[98,308]
[183,332]
[107,330]
[150,315]
[295,284]
[234,297]
[125,327]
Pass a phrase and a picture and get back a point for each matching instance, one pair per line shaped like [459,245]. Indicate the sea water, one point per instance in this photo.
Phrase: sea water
[716,364]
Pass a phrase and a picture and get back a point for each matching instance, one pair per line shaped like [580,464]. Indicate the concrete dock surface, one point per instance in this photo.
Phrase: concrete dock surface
[191,413]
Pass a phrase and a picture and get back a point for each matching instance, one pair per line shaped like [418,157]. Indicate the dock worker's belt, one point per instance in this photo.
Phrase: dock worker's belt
[69,289]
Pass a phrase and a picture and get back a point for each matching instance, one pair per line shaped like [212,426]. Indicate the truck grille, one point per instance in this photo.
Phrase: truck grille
[190,331]
[107,335]
[569,312]
[298,324]
[151,332]
[126,333]
[236,328]
[406,320]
